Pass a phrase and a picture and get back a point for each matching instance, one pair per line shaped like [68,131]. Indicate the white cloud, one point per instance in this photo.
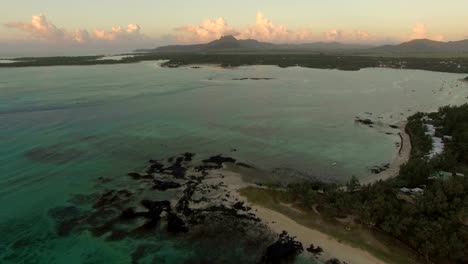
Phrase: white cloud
[353,36]
[420,32]
[41,29]
[131,31]
[265,30]
[209,29]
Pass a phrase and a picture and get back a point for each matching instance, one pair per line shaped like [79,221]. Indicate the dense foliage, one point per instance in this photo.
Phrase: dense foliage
[285,59]
[433,223]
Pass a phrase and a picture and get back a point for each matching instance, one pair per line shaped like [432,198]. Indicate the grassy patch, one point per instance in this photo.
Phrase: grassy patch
[374,242]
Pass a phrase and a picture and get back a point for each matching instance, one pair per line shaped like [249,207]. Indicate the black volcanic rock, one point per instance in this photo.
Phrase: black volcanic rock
[366,121]
[188,156]
[285,250]
[334,261]
[245,165]
[219,160]
[163,186]
[137,176]
[315,250]
[128,213]
[175,224]
[66,218]
[154,206]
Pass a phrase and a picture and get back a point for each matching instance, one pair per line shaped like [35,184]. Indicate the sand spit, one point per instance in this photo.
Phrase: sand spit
[400,158]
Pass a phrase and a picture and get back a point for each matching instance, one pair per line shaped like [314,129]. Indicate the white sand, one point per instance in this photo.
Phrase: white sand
[307,236]
[332,247]
[401,157]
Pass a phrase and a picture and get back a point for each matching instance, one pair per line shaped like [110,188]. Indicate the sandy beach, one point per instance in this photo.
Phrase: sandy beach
[332,248]
[278,222]
[401,157]
[307,236]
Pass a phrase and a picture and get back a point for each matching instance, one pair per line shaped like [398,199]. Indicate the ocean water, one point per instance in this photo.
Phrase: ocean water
[62,128]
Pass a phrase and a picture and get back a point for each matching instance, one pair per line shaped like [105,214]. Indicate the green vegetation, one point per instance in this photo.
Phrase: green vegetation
[433,222]
[319,61]
[344,230]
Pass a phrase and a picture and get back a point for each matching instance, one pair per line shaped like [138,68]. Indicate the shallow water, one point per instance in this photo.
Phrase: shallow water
[7,61]
[63,127]
[115,57]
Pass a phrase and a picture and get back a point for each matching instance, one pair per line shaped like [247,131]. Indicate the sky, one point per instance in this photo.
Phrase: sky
[98,26]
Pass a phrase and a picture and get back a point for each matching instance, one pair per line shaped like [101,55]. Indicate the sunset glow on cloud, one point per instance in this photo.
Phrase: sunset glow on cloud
[210,29]
[90,26]
[41,29]
[420,32]
[265,30]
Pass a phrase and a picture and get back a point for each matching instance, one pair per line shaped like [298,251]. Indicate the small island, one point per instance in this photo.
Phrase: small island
[229,52]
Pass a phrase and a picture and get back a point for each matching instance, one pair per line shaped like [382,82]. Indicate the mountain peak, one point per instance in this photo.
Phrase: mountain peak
[228,38]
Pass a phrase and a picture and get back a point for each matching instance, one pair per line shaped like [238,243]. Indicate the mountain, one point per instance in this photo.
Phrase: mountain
[231,43]
[325,46]
[425,46]
[224,43]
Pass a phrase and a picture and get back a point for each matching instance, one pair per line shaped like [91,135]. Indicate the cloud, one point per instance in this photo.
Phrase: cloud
[349,36]
[41,29]
[265,30]
[209,29]
[131,31]
[420,32]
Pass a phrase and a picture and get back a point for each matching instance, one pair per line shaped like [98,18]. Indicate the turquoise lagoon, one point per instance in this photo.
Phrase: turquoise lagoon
[61,128]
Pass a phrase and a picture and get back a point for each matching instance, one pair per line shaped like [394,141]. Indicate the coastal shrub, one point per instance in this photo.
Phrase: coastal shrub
[432,223]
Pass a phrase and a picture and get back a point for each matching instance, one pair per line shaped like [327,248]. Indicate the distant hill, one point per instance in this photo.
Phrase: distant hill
[224,43]
[425,46]
[230,43]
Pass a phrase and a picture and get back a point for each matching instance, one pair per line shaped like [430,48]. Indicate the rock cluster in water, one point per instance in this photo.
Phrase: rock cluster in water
[284,250]
[199,207]
[379,169]
[253,79]
[202,207]
[365,121]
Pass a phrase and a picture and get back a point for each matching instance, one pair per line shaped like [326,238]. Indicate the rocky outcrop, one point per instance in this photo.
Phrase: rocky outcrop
[165,185]
[284,250]
[365,121]
[379,169]
[128,208]
[316,251]
[175,224]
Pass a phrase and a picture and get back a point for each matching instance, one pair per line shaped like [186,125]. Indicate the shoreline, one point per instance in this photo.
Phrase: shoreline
[278,222]
[401,157]
[332,248]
